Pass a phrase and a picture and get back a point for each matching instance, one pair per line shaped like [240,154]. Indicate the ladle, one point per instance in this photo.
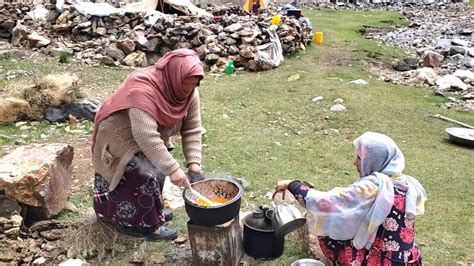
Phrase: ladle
[199,195]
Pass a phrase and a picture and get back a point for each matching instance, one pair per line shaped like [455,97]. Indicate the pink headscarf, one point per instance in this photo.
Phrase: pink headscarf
[156,90]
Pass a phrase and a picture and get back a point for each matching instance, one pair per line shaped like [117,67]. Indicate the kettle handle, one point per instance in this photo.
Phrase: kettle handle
[282,197]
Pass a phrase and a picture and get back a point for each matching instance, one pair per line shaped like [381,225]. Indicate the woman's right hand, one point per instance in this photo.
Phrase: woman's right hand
[283,185]
[180,179]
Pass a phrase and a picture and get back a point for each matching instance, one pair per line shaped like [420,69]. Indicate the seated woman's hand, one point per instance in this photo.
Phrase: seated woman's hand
[283,185]
[179,178]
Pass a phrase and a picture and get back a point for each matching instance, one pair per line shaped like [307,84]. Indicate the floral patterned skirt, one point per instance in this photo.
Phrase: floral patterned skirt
[344,253]
[136,202]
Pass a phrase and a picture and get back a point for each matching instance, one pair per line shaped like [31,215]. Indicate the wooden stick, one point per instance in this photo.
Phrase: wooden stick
[452,120]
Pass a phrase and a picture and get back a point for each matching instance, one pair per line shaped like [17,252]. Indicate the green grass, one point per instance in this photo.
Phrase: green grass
[247,115]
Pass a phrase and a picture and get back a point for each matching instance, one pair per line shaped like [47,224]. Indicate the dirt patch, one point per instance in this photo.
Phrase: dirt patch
[337,58]
[385,72]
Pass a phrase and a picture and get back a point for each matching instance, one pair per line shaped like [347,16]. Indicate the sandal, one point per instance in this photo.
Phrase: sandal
[165,233]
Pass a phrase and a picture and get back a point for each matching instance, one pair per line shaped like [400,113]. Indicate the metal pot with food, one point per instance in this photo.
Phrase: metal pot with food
[224,196]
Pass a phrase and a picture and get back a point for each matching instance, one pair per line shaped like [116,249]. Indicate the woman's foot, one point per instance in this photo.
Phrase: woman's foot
[163,233]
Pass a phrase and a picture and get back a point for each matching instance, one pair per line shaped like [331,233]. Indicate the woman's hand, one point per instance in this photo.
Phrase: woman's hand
[179,178]
[283,185]
[195,167]
[194,173]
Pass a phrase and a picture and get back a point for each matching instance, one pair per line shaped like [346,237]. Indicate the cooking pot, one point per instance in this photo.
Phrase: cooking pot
[286,218]
[213,188]
[260,240]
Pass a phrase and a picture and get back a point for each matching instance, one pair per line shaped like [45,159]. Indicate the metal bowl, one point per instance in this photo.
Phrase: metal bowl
[213,215]
[461,136]
[307,262]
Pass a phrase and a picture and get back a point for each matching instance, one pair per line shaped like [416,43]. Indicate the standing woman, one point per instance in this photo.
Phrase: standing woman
[131,133]
[371,222]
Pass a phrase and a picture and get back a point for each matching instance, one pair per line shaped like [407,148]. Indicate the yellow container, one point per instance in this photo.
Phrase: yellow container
[276,20]
[318,37]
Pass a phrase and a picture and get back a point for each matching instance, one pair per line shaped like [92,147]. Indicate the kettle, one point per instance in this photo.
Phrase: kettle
[286,218]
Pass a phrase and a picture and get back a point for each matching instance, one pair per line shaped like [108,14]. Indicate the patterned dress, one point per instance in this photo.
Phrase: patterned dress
[136,203]
[394,243]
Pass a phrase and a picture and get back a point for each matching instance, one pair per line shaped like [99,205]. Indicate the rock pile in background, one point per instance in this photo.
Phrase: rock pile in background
[440,45]
[127,39]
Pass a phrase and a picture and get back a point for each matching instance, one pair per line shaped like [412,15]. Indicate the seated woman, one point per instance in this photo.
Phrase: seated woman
[371,222]
[131,130]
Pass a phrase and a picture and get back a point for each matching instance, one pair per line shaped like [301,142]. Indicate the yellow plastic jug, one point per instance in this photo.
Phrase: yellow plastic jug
[318,37]
[276,20]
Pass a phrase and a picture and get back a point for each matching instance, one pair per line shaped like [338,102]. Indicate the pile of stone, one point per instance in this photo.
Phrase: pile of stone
[129,40]
[39,243]
[440,44]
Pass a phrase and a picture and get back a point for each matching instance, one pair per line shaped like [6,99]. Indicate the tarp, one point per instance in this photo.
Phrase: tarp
[271,52]
[149,6]
[249,4]
[188,8]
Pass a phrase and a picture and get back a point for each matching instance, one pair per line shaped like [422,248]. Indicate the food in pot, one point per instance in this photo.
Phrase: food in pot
[216,200]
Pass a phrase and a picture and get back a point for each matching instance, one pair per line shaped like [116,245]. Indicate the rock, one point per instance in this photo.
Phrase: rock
[56,51]
[425,75]
[432,59]
[293,78]
[5,46]
[359,82]
[101,31]
[38,175]
[470,52]
[114,52]
[216,28]
[39,261]
[8,24]
[338,100]
[74,262]
[466,31]
[153,44]
[18,33]
[127,46]
[8,208]
[406,64]
[457,50]
[469,63]
[258,65]
[464,74]
[37,40]
[317,99]
[338,108]
[233,28]
[107,60]
[211,58]
[136,59]
[247,53]
[451,82]
[460,42]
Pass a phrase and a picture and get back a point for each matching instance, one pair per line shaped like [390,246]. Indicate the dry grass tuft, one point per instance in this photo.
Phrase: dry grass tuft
[14,109]
[52,90]
[14,88]
[98,239]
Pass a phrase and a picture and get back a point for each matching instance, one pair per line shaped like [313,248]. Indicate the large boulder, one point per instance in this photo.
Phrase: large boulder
[38,175]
